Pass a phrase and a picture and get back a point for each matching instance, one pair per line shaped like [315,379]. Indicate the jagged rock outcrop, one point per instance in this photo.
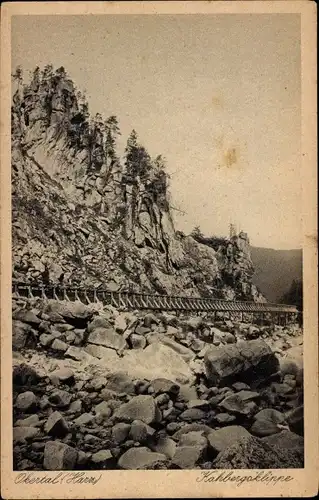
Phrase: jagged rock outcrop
[81,214]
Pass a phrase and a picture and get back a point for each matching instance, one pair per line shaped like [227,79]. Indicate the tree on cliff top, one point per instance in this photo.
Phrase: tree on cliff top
[137,159]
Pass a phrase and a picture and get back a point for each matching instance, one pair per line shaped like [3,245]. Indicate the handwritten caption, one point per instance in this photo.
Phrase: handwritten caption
[209,476]
[59,478]
[265,477]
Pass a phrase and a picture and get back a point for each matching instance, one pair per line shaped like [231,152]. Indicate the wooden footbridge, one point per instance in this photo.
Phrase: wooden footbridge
[277,313]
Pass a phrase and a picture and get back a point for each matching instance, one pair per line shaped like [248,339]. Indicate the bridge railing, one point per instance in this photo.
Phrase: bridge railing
[133,300]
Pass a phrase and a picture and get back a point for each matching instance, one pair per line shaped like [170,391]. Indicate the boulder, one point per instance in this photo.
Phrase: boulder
[295,420]
[186,457]
[204,429]
[64,375]
[193,438]
[98,322]
[235,404]
[267,422]
[286,440]
[101,456]
[162,385]
[26,401]
[192,414]
[119,382]
[106,354]
[107,337]
[156,361]
[220,439]
[120,323]
[253,453]
[184,352]
[31,421]
[187,393]
[224,418]
[24,374]
[103,409]
[138,408]
[59,456]
[56,425]
[84,419]
[140,458]
[59,345]
[164,445]
[46,339]
[137,341]
[26,316]
[20,334]
[60,398]
[68,310]
[24,433]
[79,354]
[246,361]
[120,432]
[140,432]
[150,319]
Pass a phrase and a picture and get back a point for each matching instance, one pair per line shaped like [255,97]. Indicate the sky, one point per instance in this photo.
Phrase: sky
[219,96]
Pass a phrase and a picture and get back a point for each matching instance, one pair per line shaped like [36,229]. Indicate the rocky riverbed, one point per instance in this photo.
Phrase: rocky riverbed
[98,388]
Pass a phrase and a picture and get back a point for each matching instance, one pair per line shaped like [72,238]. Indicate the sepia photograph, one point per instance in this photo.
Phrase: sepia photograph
[157,274]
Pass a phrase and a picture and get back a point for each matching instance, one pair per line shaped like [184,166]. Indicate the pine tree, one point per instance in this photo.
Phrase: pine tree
[137,159]
[112,131]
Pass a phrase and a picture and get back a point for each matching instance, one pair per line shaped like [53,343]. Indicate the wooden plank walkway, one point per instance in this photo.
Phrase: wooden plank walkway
[282,313]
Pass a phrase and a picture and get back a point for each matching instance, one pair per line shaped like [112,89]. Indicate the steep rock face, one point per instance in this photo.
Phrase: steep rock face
[82,215]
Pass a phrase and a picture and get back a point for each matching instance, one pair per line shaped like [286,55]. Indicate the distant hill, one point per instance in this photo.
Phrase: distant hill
[275,270]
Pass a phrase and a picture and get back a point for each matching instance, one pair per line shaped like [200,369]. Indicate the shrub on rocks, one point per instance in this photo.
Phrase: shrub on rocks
[285,440]
[253,453]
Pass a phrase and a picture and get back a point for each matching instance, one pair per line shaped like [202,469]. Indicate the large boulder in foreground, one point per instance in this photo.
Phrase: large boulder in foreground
[156,361]
[250,361]
[254,453]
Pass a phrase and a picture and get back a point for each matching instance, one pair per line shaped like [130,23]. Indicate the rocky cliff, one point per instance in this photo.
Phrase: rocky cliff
[82,215]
